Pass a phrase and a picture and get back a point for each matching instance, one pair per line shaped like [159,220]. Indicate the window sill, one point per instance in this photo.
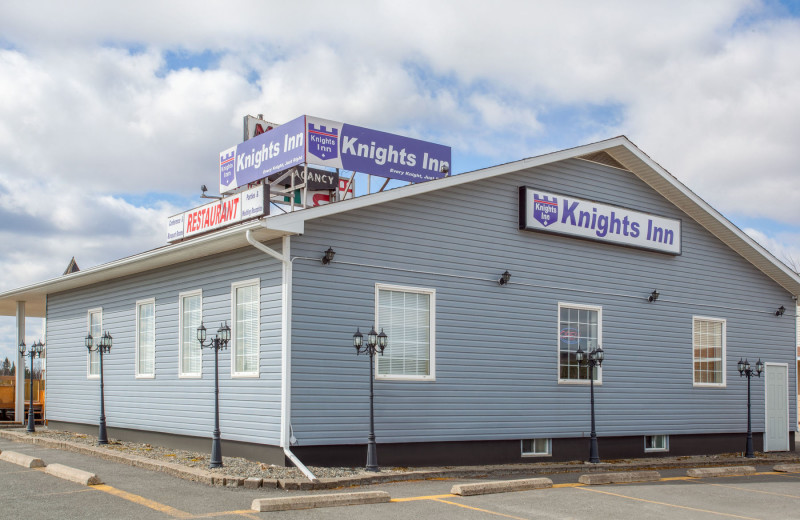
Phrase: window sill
[537,455]
[246,375]
[582,382]
[405,378]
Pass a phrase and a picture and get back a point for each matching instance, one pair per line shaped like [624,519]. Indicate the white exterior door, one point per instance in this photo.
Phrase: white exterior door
[776,436]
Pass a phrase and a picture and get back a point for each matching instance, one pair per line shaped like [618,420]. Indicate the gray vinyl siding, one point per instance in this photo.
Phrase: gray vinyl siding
[496,347]
[249,408]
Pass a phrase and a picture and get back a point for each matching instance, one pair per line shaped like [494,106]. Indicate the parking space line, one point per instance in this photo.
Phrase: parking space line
[429,497]
[248,513]
[476,509]
[749,490]
[136,499]
[668,504]
[788,475]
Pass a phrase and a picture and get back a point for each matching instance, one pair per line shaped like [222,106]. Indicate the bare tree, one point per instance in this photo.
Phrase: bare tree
[791,261]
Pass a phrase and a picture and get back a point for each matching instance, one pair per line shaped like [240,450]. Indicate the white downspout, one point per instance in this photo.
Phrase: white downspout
[286,342]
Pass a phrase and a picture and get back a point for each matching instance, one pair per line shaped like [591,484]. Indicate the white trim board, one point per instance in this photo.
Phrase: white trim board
[276,226]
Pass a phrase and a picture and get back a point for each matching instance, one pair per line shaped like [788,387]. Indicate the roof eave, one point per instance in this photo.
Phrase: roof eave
[34,296]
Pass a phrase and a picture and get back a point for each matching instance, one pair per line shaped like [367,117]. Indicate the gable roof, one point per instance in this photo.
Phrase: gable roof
[618,151]
[72,267]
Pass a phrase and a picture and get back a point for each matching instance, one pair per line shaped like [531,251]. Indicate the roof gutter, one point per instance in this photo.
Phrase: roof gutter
[286,342]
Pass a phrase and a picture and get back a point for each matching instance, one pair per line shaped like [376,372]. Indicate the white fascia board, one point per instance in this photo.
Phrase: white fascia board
[677,193]
[622,149]
[216,242]
[286,220]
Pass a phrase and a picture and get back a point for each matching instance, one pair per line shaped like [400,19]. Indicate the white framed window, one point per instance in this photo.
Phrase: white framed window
[656,443]
[536,447]
[146,339]
[94,326]
[578,326]
[245,332]
[190,315]
[708,351]
[408,316]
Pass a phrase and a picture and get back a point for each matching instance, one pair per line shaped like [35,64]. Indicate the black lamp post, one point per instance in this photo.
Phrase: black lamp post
[36,350]
[218,342]
[746,371]
[595,358]
[103,347]
[375,343]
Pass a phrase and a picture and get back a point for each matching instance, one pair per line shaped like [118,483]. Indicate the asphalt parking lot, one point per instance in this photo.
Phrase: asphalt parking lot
[135,493]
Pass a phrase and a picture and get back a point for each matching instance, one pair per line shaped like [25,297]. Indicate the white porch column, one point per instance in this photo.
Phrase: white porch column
[19,409]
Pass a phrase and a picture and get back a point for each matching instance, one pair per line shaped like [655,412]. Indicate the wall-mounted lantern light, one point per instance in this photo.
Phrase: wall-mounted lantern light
[328,258]
[653,296]
[504,278]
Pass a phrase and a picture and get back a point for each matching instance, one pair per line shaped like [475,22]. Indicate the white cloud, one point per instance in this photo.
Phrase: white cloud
[710,90]
[785,246]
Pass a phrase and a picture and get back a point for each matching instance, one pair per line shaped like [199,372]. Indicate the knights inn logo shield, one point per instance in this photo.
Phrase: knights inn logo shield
[227,162]
[545,209]
[323,142]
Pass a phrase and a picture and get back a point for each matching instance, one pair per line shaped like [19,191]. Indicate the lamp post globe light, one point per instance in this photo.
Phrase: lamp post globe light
[746,371]
[376,343]
[217,343]
[36,350]
[594,358]
[103,347]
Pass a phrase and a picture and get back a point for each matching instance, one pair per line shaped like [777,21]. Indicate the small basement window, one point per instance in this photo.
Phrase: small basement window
[536,447]
[656,443]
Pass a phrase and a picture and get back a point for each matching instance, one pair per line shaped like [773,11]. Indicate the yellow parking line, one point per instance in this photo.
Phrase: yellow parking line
[751,490]
[429,497]
[249,513]
[136,499]
[477,509]
[667,504]
[569,485]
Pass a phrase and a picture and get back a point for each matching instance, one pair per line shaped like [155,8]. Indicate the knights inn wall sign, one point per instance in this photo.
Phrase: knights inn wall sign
[571,216]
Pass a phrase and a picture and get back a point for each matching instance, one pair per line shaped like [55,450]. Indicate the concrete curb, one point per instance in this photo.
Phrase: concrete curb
[593,479]
[787,468]
[314,501]
[501,486]
[72,474]
[176,470]
[727,471]
[252,483]
[21,459]
[216,479]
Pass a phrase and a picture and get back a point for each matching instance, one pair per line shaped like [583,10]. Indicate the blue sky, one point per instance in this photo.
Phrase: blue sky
[111,119]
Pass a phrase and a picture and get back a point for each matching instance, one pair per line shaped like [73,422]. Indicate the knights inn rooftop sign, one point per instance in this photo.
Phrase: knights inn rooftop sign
[318,141]
[565,215]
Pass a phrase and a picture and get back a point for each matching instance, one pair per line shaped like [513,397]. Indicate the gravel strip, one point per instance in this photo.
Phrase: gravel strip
[232,466]
[240,468]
